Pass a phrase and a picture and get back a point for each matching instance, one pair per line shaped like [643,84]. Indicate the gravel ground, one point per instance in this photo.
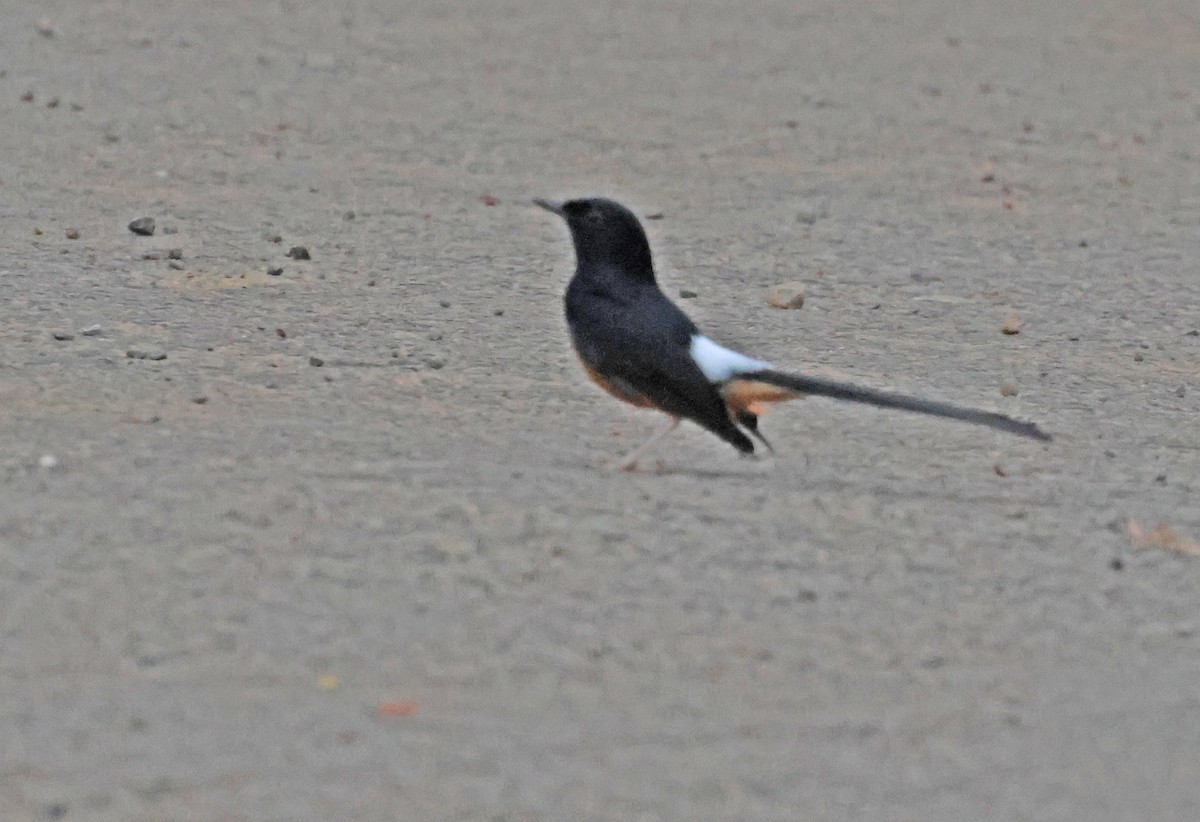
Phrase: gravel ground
[289,539]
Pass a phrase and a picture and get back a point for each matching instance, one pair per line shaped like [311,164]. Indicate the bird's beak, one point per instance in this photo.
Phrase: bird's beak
[553,206]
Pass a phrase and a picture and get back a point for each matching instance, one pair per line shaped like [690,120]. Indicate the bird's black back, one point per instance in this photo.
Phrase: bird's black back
[627,329]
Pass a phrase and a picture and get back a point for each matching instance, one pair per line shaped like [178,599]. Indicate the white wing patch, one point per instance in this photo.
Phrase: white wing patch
[721,364]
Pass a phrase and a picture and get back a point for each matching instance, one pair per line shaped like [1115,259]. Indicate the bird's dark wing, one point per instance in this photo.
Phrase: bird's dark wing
[634,334]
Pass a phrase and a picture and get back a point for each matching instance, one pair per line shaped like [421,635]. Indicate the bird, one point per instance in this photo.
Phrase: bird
[639,346]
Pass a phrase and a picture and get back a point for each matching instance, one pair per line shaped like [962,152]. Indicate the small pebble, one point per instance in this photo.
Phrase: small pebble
[316,362]
[435,336]
[52,102]
[273,238]
[27,97]
[143,226]
[47,461]
[175,265]
[1117,564]
[299,252]
[72,234]
[349,215]
[658,215]
[786,295]
[499,312]
[200,400]
[436,363]
[488,200]
[146,354]
[175,254]
[1008,390]
[280,333]
[63,335]
[1181,391]
[37,232]
[274,272]
[1138,357]
[1011,325]
[170,229]
[91,331]
[687,294]
[45,27]
[444,303]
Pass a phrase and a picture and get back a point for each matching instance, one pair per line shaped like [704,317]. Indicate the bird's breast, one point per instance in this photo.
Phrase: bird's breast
[616,386]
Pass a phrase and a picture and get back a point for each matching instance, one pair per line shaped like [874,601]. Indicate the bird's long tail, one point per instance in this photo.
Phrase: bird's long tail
[820,387]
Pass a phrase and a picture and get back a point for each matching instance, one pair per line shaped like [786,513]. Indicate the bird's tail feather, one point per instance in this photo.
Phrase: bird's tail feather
[820,387]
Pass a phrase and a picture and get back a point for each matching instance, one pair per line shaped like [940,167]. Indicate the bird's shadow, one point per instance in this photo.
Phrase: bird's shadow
[659,468]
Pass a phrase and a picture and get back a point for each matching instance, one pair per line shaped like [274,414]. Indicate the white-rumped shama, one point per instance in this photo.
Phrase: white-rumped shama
[641,348]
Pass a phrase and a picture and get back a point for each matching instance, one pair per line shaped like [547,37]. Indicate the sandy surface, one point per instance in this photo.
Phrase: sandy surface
[235,585]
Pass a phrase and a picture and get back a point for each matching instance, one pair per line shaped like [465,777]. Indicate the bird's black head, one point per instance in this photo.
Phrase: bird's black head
[605,233]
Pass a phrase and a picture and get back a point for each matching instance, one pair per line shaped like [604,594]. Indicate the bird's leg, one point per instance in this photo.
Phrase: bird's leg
[629,461]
